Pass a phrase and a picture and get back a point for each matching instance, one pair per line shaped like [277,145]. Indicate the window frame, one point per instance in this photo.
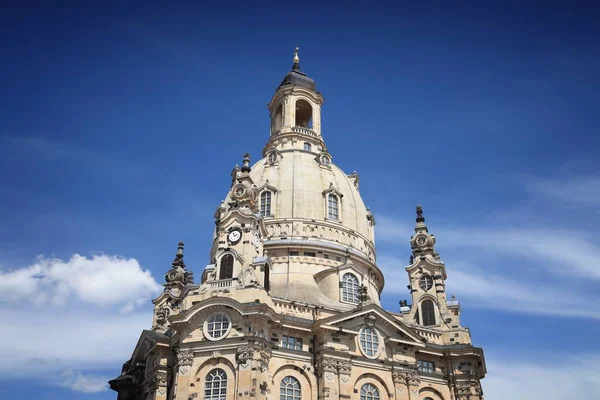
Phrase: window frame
[433,313]
[330,214]
[423,285]
[223,331]
[371,393]
[307,146]
[426,366]
[345,290]
[268,201]
[221,388]
[221,260]
[369,343]
[287,384]
[272,157]
[294,344]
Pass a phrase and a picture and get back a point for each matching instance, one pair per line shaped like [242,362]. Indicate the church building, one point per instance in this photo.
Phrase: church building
[288,307]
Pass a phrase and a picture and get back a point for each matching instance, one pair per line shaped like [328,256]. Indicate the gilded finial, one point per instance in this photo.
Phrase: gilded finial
[296,66]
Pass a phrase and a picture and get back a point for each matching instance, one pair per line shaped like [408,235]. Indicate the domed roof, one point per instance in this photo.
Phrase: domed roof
[299,78]
[301,184]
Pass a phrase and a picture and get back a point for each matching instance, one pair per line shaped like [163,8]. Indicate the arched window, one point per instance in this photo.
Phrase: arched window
[369,392]
[290,389]
[428,312]
[350,288]
[307,146]
[272,157]
[303,114]
[265,203]
[215,387]
[267,283]
[277,118]
[226,268]
[332,206]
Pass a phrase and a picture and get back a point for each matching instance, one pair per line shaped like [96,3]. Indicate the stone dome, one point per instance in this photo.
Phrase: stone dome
[300,184]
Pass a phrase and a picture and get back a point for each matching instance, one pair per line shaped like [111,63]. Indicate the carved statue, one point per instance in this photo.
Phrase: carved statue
[247,277]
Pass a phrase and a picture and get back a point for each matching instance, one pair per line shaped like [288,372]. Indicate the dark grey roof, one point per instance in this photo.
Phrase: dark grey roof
[298,78]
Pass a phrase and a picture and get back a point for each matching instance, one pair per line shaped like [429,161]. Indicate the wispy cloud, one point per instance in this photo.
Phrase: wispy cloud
[584,190]
[549,378]
[490,290]
[563,252]
[85,383]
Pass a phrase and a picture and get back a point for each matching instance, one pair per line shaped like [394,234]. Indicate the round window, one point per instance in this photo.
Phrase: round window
[369,342]
[426,282]
[325,160]
[217,326]
[272,157]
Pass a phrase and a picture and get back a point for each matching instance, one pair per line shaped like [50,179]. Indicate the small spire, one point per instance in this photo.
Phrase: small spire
[246,163]
[420,217]
[178,261]
[296,66]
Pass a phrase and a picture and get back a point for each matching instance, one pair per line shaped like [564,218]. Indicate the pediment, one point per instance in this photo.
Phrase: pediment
[147,341]
[342,269]
[390,328]
[429,264]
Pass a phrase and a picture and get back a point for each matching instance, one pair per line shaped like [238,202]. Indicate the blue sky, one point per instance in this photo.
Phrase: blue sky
[120,125]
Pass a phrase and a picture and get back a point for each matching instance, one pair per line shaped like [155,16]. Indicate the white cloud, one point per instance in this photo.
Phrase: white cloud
[99,280]
[64,319]
[584,190]
[570,377]
[86,383]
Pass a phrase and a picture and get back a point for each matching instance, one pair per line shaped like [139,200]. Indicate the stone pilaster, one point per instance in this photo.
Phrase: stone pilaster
[185,359]
[253,363]
[469,390]
[406,382]
[334,376]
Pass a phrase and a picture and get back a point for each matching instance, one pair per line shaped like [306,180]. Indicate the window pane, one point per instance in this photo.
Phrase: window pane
[265,203]
[428,312]
[215,387]
[290,389]
[350,288]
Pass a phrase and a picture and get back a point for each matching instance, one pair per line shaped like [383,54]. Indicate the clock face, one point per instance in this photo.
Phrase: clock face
[239,191]
[421,240]
[234,236]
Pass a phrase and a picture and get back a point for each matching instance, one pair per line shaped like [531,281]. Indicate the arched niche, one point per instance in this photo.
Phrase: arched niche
[304,114]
